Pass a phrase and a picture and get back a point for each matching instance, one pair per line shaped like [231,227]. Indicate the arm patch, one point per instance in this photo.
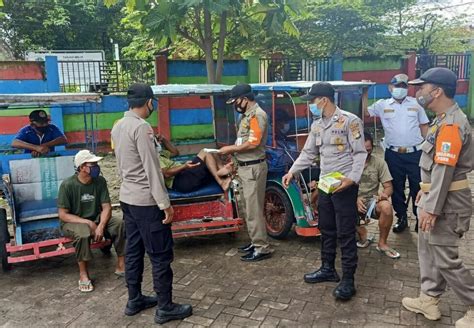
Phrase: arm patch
[448,145]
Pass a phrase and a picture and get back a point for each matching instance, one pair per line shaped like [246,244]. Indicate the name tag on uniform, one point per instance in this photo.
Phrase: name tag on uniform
[238,142]
[413,109]
[389,110]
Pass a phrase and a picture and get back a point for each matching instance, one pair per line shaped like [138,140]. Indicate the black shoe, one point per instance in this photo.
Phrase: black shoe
[142,303]
[175,312]
[246,248]
[401,225]
[326,272]
[345,290]
[255,256]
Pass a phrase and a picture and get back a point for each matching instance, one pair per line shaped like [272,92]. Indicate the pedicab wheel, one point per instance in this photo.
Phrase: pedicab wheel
[279,214]
[4,239]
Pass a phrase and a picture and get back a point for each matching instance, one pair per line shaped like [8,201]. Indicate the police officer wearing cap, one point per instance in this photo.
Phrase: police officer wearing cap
[249,151]
[40,137]
[338,138]
[146,209]
[445,200]
[405,124]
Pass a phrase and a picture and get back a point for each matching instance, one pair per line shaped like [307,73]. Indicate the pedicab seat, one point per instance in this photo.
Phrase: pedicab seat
[36,209]
[209,190]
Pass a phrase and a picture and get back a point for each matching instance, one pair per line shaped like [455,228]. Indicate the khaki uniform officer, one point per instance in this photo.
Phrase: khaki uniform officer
[445,203]
[338,138]
[249,150]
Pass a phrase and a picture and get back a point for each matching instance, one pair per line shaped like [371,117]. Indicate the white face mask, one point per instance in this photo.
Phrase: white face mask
[399,93]
[158,147]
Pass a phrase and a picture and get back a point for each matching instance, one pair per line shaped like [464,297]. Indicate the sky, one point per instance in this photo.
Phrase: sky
[451,8]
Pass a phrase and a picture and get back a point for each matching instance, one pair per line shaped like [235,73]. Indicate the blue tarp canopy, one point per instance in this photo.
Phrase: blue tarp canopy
[304,85]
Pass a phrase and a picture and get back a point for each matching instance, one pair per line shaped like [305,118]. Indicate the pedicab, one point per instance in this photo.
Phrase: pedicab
[289,125]
[30,186]
[208,210]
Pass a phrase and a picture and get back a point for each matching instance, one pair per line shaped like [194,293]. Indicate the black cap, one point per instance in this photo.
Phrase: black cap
[320,89]
[239,91]
[39,116]
[140,91]
[438,75]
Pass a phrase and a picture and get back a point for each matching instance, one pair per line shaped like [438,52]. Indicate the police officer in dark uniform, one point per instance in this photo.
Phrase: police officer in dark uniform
[338,138]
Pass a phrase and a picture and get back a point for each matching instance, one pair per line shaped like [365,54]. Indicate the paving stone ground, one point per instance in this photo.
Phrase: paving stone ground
[226,292]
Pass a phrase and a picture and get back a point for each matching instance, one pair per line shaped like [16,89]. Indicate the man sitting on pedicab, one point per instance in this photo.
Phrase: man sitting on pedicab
[191,175]
[85,212]
[40,136]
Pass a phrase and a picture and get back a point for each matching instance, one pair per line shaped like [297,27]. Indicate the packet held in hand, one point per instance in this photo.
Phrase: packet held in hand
[329,182]
[211,150]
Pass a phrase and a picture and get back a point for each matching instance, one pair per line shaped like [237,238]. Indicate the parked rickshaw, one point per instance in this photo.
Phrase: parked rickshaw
[290,122]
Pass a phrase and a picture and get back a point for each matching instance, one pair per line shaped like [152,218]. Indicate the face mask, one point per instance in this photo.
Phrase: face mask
[399,93]
[286,128]
[94,171]
[239,108]
[315,110]
[150,111]
[158,147]
[425,100]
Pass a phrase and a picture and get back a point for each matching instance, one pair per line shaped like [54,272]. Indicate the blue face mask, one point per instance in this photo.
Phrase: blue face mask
[94,171]
[315,110]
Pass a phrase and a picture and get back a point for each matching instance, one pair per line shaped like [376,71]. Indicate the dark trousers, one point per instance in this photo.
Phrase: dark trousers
[402,166]
[145,231]
[337,223]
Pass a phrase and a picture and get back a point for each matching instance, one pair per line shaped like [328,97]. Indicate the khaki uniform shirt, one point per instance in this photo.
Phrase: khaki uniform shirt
[375,173]
[138,164]
[447,156]
[339,140]
[253,128]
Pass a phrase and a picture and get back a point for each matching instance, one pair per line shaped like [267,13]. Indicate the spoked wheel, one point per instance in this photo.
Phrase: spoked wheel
[279,214]
[4,239]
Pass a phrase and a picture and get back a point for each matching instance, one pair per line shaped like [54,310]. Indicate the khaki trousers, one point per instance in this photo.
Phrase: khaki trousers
[81,235]
[439,262]
[253,179]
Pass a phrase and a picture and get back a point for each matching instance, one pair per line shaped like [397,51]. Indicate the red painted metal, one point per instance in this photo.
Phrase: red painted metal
[37,247]
[11,124]
[190,102]
[374,76]
[462,87]
[205,232]
[308,232]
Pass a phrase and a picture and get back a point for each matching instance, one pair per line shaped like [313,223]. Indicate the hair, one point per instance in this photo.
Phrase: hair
[449,91]
[368,137]
[250,96]
[331,98]
[136,103]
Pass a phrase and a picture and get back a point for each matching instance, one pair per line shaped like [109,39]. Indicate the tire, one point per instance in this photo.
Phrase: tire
[279,215]
[4,239]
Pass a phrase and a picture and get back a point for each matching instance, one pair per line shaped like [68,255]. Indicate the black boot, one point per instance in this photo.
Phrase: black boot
[416,226]
[326,272]
[246,248]
[173,312]
[401,224]
[141,303]
[345,290]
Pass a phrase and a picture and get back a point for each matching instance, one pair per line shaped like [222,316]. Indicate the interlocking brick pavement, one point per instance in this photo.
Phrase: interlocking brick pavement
[226,292]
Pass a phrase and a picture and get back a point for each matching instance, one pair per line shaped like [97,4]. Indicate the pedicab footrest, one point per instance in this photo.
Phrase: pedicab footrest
[45,249]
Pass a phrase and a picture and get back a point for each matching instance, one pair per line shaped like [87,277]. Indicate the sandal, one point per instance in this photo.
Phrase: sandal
[119,274]
[390,252]
[86,286]
[366,243]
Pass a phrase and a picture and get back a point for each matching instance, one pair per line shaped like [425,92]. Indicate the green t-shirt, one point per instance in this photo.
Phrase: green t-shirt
[167,163]
[375,172]
[84,200]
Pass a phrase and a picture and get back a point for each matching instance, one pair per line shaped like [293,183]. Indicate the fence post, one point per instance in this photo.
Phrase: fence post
[253,69]
[161,77]
[52,73]
[337,67]
[470,95]
[410,70]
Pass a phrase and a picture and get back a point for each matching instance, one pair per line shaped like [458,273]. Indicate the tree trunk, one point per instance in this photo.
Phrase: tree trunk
[208,47]
[220,47]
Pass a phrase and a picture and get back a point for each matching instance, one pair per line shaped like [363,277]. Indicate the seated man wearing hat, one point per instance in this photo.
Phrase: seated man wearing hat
[40,136]
[86,214]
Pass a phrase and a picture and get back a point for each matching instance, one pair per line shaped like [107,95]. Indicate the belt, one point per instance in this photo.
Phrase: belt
[404,150]
[455,185]
[247,163]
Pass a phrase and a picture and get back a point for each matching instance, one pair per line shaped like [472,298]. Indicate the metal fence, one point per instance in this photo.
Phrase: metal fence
[286,69]
[459,64]
[104,76]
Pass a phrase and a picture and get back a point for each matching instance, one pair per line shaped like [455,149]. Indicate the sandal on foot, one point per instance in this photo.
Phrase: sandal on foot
[119,274]
[365,243]
[86,286]
[390,252]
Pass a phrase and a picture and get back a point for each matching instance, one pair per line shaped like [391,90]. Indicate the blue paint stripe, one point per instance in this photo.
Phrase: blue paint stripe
[190,68]
[190,116]
[109,104]
[461,100]
[379,91]
[6,139]
[23,86]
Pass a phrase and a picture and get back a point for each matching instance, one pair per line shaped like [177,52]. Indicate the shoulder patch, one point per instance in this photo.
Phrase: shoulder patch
[355,130]
[448,145]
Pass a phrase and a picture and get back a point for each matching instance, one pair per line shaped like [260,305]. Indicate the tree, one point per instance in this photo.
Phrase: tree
[207,23]
[60,25]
